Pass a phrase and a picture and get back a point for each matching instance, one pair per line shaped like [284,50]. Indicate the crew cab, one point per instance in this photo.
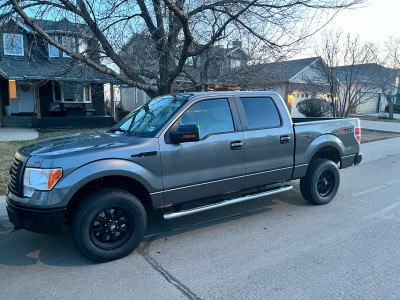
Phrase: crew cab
[177,153]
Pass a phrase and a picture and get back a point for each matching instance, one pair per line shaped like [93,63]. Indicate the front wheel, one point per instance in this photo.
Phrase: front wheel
[109,224]
[321,182]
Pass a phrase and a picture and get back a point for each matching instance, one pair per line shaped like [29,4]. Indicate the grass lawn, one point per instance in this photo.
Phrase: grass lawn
[8,149]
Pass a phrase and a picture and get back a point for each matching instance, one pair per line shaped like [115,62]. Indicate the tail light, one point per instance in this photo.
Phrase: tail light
[357,134]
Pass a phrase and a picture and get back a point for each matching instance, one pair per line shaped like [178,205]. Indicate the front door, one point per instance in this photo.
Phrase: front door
[211,166]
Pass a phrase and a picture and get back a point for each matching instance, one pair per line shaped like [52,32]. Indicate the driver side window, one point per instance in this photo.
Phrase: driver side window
[212,116]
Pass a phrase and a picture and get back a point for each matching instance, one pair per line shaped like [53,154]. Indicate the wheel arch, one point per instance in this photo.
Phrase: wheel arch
[115,173]
[326,146]
[125,183]
[329,152]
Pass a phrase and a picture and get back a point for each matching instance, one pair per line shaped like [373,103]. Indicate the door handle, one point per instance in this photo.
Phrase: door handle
[236,145]
[285,139]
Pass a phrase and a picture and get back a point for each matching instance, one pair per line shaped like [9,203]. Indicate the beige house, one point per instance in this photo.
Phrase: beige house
[293,80]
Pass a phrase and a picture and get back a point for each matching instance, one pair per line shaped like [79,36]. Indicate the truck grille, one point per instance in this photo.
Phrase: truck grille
[15,186]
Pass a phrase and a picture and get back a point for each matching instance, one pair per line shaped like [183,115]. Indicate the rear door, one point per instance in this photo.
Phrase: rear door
[211,166]
[269,142]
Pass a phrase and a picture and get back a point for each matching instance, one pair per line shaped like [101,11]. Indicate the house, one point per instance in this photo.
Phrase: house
[42,86]
[199,72]
[367,82]
[294,80]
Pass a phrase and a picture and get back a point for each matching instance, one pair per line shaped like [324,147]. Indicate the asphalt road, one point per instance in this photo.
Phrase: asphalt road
[278,247]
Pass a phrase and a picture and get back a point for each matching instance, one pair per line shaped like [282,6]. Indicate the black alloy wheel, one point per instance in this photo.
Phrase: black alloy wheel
[326,183]
[321,182]
[111,228]
[109,224]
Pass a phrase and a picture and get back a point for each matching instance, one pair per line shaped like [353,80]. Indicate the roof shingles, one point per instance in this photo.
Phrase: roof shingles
[272,72]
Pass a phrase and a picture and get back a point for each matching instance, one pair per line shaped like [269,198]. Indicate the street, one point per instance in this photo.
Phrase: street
[278,247]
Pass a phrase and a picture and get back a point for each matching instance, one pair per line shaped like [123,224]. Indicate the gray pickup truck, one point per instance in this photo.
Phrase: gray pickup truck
[182,153]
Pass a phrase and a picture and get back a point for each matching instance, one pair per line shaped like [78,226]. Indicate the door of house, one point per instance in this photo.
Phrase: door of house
[25,101]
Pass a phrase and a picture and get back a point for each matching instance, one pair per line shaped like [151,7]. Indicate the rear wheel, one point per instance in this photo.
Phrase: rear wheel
[108,224]
[321,182]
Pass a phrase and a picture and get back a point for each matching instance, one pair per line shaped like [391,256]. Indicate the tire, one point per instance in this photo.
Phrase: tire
[109,224]
[321,182]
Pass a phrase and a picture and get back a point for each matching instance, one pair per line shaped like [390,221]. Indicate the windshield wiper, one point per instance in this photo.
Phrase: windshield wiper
[120,129]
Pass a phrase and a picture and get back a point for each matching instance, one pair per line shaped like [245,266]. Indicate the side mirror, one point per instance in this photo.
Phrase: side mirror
[185,133]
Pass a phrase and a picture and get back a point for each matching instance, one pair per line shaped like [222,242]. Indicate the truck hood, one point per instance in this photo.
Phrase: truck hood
[77,143]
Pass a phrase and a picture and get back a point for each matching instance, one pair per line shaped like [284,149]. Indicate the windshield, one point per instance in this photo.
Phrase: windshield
[148,119]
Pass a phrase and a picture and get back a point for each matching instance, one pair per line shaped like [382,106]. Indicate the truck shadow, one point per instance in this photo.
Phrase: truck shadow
[23,248]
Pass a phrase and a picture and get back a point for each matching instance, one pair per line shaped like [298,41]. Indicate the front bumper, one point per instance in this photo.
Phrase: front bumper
[47,221]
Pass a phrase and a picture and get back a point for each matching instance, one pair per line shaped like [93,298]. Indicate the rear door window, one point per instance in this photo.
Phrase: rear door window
[261,113]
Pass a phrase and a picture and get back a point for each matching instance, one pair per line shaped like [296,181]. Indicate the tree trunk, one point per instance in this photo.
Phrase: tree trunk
[391,108]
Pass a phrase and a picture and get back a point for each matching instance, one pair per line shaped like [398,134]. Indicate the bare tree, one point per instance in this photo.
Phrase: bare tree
[388,79]
[349,72]
[173,27]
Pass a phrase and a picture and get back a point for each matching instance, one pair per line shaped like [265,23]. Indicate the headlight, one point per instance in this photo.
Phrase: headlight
[40,179]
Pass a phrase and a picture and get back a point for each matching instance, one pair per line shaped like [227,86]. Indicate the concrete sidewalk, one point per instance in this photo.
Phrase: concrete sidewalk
[8,134]
[382,114]
[377,125]
[372,152]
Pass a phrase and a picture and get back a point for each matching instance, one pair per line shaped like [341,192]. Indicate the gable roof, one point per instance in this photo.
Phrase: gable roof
[50,26]
[275,72]
[366,73]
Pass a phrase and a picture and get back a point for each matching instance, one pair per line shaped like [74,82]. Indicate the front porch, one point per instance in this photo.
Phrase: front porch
[46,104]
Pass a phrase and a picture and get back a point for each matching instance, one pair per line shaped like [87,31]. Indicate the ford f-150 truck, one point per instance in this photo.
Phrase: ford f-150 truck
[178,153]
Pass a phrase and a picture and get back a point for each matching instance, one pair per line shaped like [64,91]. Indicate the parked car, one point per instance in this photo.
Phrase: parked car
[175,153]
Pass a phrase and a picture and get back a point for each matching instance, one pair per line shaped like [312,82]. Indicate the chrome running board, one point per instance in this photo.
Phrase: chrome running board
[173,215]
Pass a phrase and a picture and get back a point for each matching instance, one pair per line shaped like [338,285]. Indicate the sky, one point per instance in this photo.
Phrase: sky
[376,22]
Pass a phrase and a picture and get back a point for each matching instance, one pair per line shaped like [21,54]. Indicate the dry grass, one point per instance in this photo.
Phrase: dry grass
[8,149]
[369,135]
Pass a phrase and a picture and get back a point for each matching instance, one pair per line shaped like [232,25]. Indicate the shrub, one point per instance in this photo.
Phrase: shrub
[314,107]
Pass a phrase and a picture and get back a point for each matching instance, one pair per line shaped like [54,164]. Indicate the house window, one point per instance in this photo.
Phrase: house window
[71,92]
[53,50]
[82,45]
[235,63]
[13,44]
[70,43]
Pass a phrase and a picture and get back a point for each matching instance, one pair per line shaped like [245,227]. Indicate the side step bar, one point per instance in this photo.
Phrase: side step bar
[173,215]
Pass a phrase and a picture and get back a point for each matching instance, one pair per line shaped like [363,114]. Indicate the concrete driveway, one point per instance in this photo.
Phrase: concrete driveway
[8,134]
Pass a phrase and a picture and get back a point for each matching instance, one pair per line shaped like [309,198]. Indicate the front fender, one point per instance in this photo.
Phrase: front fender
[108,167]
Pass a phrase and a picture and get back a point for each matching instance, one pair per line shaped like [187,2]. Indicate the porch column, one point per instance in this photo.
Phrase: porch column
[114,108]
[38,109]
[112,103]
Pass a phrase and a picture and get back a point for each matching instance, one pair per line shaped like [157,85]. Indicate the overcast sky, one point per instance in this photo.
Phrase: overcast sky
[375,22]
